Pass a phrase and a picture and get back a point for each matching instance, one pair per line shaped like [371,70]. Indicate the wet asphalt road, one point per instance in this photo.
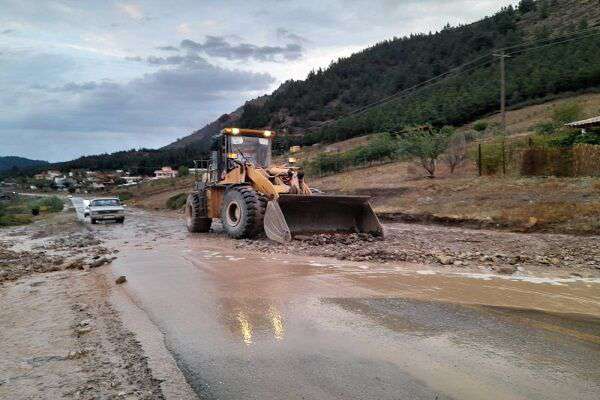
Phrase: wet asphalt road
[273,327]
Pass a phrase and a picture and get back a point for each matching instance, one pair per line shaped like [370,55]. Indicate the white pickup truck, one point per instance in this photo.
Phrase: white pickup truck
[104,209]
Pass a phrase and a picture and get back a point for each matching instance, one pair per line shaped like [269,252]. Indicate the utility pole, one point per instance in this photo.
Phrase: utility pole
[503,57]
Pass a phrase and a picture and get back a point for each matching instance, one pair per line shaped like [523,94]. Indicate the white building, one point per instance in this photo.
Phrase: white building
[165,172]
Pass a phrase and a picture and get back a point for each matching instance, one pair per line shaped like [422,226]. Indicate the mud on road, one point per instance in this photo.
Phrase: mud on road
[443,247]
[256,324]
[64,339]
[60,336]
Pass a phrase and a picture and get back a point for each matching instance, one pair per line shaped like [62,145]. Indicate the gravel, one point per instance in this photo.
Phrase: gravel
[503,252]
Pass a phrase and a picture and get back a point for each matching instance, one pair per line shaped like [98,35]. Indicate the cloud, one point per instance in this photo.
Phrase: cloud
[183,97]
[167,48]
[73,87]
[184,29]
[218,46]
[284,34]
[191,60]
[132,10]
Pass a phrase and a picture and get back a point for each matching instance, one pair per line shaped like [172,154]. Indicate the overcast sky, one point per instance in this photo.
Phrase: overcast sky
[85,77]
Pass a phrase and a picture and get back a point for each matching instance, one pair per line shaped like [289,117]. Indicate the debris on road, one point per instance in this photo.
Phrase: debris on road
[120,280]
[503,252]
[44,249]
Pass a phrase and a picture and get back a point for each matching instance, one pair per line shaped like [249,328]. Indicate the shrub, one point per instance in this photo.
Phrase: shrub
[545,128]
[326,163]
[124,196]
[480,126]
[491,158]
[183,171]
[177,202]
[566,112]
[50,204]
[382,147]
[12,220]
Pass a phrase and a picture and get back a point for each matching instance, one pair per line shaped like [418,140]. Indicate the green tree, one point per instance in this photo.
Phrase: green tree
[526,5]
[544,10]
[427,145]
[183,171]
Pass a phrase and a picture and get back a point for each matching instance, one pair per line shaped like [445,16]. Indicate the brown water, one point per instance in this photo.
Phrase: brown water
[259,326]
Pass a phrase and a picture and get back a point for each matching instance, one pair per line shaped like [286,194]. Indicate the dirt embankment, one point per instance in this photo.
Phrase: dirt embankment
[60,336]
[502,252]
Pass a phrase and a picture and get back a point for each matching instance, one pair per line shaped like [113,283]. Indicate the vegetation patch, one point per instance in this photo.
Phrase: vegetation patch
[21,210]
[177,201]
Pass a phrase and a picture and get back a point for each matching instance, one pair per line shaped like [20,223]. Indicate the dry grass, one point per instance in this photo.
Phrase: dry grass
[545,204]
[154,194]
[586,160]
[521,122]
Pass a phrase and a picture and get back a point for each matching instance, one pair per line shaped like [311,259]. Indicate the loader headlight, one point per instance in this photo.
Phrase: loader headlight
[235,131]
[267,133]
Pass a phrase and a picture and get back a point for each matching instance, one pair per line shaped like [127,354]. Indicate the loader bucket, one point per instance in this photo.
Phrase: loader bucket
[292,215]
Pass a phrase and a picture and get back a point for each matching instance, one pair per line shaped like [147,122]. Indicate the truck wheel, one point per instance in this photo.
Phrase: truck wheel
[195,213]
[242,212]
[120,220]
[93,221]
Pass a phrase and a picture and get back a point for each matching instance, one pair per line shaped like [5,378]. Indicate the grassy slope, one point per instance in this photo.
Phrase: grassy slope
[551,204]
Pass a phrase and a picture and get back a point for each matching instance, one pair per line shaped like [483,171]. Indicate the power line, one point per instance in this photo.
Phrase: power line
[405,93]
[531,42]
[553,43]
[408,92]
[411,90]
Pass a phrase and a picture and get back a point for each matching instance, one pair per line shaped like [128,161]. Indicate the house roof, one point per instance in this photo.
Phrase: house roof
[585,123]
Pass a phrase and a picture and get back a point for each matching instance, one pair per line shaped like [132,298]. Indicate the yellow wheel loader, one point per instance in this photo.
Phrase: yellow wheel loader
[248,194]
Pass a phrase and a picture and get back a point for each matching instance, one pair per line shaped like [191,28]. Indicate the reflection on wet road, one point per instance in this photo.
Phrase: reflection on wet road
[278,327]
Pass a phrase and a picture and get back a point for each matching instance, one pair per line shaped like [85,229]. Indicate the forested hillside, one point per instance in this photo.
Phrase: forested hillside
[12,163]
[542,64]
[140,161]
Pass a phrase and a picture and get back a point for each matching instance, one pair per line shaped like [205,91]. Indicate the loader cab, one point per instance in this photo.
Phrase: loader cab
[234,146]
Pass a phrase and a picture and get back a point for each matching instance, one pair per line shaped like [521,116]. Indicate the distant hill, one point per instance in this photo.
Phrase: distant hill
[203,135]
[9,162]
[394,65]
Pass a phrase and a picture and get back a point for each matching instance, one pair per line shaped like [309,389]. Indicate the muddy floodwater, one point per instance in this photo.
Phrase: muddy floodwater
[244,325]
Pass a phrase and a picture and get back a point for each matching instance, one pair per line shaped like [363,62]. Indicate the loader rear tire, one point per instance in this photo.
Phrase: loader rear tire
[242,212]
[196,218]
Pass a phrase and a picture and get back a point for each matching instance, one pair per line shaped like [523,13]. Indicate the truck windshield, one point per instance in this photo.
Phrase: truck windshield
[251,149]
[105,203]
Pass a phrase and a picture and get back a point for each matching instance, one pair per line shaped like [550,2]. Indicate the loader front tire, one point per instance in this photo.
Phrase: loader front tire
[196,218]
[242,212]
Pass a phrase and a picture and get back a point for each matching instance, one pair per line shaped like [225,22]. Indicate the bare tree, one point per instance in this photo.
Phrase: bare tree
[456,154]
